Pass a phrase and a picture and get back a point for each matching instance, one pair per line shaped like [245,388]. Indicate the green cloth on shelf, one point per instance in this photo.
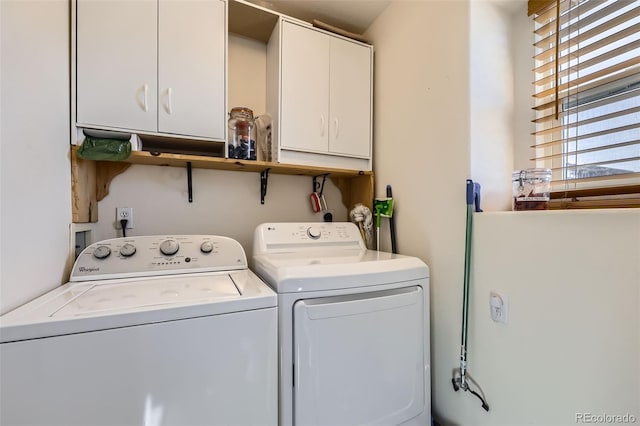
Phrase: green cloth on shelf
[104,149]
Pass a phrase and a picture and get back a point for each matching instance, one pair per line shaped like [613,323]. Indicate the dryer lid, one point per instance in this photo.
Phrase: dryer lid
[321,270]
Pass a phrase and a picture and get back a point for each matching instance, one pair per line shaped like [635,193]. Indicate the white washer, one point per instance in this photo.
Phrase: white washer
[353,327]
[156,330]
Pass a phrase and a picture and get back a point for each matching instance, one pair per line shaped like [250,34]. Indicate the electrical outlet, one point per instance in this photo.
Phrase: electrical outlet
[124,213]
[499,307]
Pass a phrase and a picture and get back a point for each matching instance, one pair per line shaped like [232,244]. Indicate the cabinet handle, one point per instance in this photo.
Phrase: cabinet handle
[144,97]
[337,126]
[321,125]
[169,100]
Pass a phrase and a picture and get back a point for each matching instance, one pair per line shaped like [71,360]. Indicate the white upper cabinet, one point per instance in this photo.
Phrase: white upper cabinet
[350,94]
[152,66]
[117,64]
[305,89]
[325,98]
[191,71]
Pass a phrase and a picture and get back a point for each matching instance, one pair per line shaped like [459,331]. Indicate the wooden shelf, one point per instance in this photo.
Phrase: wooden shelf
[202,162]
[91,179]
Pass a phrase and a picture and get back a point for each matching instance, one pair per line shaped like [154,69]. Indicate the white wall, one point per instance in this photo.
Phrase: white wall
[491,106]
[572,278]
[572,344]
[247,73]
[35,172]
[224,203]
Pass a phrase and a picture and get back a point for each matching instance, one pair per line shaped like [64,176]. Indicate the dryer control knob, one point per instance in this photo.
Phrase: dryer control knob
[169,247]
[101,252]
[128,250]
[313,233]
[206,247]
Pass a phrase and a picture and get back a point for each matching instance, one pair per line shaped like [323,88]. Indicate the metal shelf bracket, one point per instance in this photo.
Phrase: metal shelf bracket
[264,179]
[189,182]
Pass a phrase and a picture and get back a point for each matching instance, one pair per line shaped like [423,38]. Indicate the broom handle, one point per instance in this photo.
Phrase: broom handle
[465,295]
[471,197]
[392,224]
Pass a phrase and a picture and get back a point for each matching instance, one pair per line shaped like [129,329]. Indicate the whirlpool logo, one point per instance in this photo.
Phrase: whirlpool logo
[88,270]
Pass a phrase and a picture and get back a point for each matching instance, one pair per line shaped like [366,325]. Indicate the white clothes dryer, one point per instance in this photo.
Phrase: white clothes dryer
[155,330]
[353,327]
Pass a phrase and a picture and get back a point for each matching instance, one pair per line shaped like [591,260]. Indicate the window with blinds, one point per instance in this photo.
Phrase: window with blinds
[587,100]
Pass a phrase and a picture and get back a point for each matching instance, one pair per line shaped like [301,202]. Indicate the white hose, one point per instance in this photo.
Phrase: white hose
[361,216]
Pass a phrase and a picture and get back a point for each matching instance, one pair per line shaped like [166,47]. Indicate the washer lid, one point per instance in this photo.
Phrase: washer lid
[334,269]
[104,304]
[92,299]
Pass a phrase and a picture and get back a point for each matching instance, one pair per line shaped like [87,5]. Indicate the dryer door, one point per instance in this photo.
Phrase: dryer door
[360,359]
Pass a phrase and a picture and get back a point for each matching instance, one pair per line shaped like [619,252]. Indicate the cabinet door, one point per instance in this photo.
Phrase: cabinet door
[350,96]
[117,63]
[191,68]
[305,89]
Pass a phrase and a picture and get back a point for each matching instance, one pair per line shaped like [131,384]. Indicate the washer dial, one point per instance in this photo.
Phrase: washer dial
[169,247]
[127,250]
[313,233]
[206,247]
[101,252]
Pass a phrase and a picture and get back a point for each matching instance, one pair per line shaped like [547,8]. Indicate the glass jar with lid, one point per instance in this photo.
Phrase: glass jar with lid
[242,134]
[531,189]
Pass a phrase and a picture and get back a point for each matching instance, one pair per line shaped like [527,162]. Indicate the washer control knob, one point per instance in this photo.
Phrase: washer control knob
[169,247]
[206,247]
[313,233]
[101,252]
[128,250]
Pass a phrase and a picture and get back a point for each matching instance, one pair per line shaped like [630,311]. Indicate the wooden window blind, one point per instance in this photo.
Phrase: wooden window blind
[587,100]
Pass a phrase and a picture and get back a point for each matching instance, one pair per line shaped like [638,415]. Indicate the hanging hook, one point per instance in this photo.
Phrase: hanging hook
[264,179]
[319,187]
[189,182]
[324,178]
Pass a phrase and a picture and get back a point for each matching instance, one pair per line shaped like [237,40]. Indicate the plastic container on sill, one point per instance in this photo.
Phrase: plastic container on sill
[531,189]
